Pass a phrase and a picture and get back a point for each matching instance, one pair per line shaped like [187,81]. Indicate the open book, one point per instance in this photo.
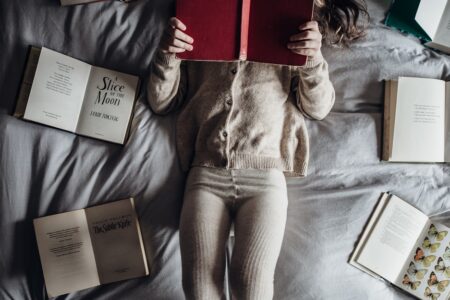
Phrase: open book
[66,93]
[88,247]
[403,246]
[256,30]
[426,19]
[416,120]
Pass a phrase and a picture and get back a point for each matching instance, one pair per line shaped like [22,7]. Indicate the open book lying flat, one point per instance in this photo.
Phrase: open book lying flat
[88,247]
[403,246]
[66,93]
[254,30]
[416,120]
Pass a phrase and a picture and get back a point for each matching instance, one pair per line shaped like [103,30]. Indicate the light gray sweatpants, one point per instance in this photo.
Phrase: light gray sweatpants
[256,201]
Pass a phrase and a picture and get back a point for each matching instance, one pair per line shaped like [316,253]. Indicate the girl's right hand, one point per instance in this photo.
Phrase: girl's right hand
[174,39]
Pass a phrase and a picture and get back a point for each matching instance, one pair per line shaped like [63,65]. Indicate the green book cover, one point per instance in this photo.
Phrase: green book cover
[402,16]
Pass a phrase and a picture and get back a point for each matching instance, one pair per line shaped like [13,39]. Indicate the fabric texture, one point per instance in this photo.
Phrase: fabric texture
[256,202]
[241,114]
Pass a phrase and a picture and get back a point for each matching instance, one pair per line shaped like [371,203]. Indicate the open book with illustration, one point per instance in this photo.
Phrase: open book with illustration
[416,120]
[88,247]
[66,93]
[243,29]
[403,246]
[425,19]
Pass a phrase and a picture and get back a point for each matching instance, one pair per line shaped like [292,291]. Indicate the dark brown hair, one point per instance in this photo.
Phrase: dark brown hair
[341,21]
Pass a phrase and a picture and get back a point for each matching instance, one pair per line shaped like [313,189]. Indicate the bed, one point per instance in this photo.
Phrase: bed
[45,171]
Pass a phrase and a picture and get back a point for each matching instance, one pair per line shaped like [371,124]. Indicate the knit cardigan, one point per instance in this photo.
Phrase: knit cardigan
[241,114]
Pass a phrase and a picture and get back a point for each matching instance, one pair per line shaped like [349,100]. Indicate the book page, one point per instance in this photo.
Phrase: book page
[428,267]
[419,120]
[442,36]
[395,234]
[58,89]
[447,122]
[108,105]
[429,15]
[118,246]
[381,205]
[66,252]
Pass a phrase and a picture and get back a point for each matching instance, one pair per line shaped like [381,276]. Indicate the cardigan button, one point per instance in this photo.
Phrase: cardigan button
[225,134]
[233,71]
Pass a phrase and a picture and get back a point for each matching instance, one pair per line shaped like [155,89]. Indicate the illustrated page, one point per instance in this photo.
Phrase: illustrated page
[66,252]
[419,120]
[392,239]
[427,271]
[58,90]
[108,105]
[117,241]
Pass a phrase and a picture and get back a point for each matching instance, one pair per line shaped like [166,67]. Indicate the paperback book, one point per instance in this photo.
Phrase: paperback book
[88,247]
[402,245]
[243,29]
[425,19]
[66,93]
[416,120]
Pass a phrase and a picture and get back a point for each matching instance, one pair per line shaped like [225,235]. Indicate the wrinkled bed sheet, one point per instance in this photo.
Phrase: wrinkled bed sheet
[45,171]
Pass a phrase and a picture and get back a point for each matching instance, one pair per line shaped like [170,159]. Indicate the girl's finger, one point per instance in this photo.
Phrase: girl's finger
[182,36]
[306,52]
[180,44]
[307,44]
[176,23]
[173,49]
[309,25]
[306,35]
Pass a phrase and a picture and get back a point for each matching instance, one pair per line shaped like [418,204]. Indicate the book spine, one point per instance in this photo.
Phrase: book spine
[386,122]
[245,17]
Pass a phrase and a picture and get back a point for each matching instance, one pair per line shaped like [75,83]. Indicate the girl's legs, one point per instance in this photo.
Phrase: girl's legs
[204,229]
[261,210]
[257,200]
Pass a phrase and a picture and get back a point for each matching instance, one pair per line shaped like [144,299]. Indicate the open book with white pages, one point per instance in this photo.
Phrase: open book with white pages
[402,245]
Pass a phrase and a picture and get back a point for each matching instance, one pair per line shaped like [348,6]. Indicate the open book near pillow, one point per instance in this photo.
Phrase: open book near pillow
[88,247]
[416,120]
[256,30]
[426,19]
[66,93]
[403,246]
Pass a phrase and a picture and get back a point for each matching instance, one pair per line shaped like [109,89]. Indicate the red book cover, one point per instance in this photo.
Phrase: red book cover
[214,25]
[257,30]
[272,22]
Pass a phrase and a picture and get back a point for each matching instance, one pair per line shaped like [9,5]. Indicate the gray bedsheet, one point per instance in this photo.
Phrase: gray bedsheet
[45,171]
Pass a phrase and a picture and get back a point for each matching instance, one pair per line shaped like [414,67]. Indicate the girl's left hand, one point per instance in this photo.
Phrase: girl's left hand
[308,42]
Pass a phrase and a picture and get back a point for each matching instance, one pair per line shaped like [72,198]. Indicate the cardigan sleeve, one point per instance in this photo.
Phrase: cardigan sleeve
[315,92]
[167,83]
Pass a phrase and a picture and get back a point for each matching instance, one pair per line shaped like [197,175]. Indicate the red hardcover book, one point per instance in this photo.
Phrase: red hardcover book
[255,30]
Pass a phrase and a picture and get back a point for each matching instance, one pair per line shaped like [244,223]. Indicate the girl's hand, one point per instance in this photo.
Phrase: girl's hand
[174,39]
[308,42]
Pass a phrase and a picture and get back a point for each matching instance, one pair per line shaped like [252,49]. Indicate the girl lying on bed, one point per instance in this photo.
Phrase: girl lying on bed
[240,130]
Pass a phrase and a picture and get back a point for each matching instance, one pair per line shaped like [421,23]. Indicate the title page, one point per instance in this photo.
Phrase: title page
[117,241]
[108,105]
